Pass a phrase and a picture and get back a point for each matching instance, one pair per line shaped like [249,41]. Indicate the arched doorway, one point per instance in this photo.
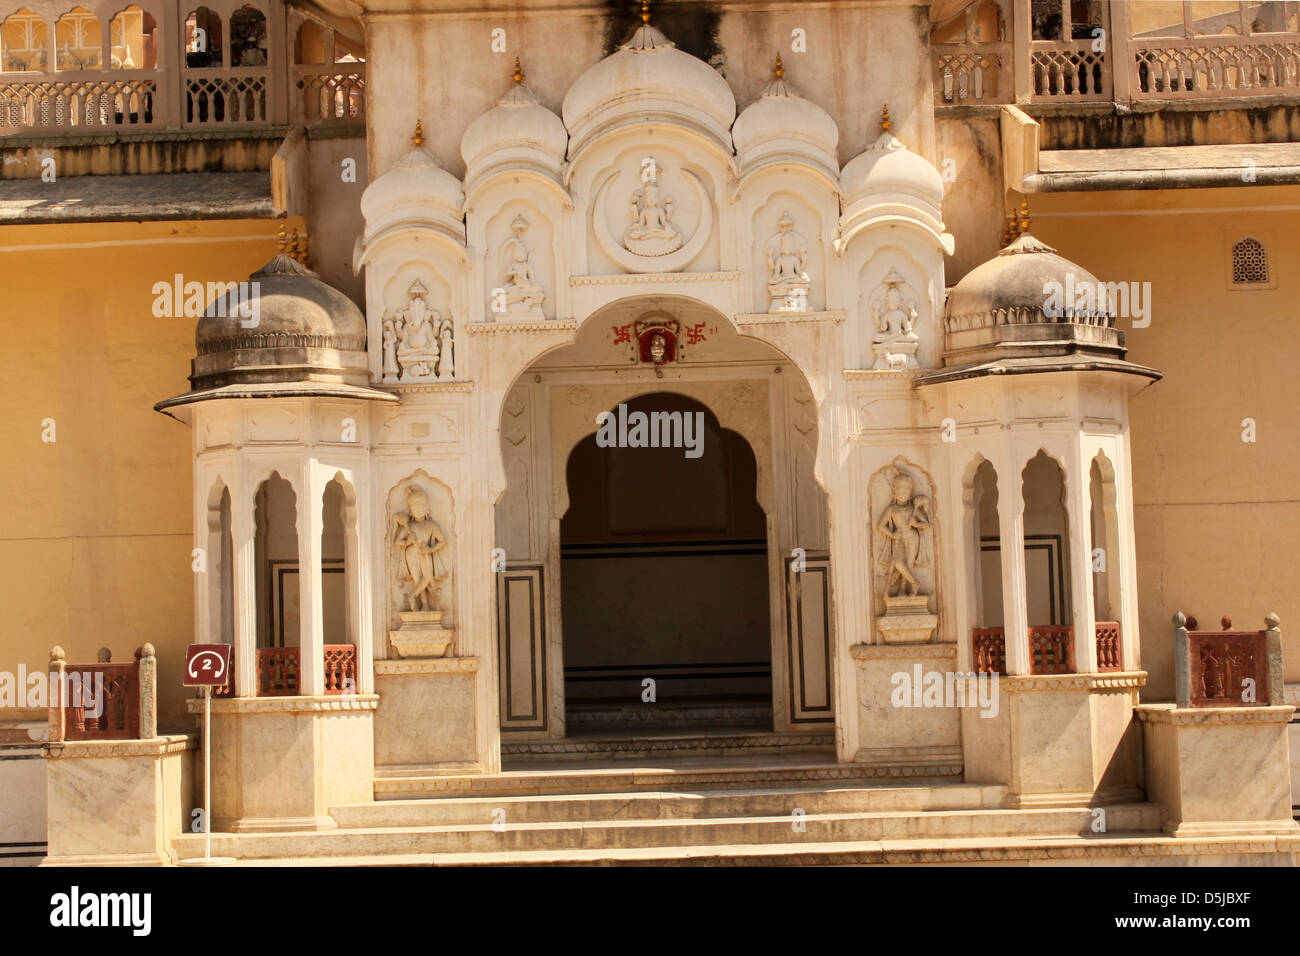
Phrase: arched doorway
[664,570]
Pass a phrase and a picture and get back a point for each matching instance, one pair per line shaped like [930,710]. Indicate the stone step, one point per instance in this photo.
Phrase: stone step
[756,714]
[631,834]
[621,744]
[622,776]
[1093,850]
[660,805]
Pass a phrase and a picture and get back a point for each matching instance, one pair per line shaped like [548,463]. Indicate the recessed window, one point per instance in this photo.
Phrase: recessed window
[1249,262]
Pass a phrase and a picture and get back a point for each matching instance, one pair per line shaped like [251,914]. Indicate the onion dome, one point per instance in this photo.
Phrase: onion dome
[414,189]
[519,132]
[887,168]
[646,80]
[282,332]
[1029,309]
[782,126]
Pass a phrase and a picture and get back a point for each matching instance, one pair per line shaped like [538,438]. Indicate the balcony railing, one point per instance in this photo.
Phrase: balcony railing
[971,74]
[103,701]
[330,94]
[990,650]
[1209,66]
[1051,649]
[1109,654]
[279,670]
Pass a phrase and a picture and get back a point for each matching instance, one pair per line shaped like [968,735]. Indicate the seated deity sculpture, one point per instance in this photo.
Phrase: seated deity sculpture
[894,340]
[416,341]
[652,231]
[522,296]
[787,261]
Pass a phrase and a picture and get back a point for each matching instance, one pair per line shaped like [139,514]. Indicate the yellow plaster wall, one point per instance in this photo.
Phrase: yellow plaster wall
[96,528]
[1217,519]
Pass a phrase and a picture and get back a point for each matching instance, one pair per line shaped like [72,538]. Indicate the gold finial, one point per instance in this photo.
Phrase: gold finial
[1024,216]
[645,11]
[280,239]
[884,119]
[294,254]
[779,70]
[305,261]
[1009,229]
[418,138]
[518,75]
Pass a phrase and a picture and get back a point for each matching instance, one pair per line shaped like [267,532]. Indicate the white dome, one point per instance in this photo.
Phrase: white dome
[648,78]
[518,131]
[415,188]
[782,126]
[888,167]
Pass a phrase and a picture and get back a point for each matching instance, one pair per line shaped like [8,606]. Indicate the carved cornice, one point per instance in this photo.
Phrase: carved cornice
[430,387]
[430,665]
[1023,316]
[545,325]
[1193,716]
[1123,680]
[281,340]
[287,705]
[156,747]
[637,278]
[894,652]
[788,318]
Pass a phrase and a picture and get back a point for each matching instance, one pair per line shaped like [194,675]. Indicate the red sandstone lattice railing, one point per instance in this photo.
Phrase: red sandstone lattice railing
[1051,649]
[1109,655]
[990,650]
[1228,668]
[340,669]
[103,701]
[279,670]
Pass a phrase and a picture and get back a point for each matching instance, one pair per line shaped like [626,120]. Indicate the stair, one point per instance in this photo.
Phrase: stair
[613,744]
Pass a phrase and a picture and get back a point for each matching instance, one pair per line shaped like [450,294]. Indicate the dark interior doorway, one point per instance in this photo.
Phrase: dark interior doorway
[665,579]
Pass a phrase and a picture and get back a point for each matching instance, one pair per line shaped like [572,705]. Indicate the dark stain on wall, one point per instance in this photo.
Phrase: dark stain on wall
[691,24]
[1199,125]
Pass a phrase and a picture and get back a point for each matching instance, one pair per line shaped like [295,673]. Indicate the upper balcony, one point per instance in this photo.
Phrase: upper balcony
[1039,53]
[163,65]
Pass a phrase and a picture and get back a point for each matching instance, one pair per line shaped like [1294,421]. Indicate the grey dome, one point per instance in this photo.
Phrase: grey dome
[1003,309]
[306,331]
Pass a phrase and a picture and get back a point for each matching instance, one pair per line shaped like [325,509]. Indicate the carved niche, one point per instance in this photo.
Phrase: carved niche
[903,553]
[521,297]
[420,556]
[418,341]
[892,313]
[654,238]
[786,253]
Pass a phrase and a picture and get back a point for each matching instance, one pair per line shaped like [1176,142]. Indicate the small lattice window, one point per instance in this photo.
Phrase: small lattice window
[1249,262]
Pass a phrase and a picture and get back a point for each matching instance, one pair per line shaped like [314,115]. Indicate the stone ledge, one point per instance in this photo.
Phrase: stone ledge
[287,705]
[784,318]
[154,747]
[427,665]
[635,278]
[1115,680]
[873,652]
[508,325]
[1191,716]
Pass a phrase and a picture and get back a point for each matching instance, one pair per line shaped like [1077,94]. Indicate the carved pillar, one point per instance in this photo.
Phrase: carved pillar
[311,634]
[1078,492]
[1011,530]
[1127,555]
[243,533]
[360,618]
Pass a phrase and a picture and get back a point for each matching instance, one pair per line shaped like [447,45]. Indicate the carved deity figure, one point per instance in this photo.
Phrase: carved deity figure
[419,544]
[1213,672]
[894,340]
[658,348]
[522,295]
[903,525]
[414,341]
[652,231]
[787,263]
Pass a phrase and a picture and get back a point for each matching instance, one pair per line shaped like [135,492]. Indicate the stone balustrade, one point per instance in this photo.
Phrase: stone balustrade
[1227,668]
[279,670]
[103,701]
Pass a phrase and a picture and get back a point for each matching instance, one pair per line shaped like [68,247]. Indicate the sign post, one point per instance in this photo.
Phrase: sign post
[207,666]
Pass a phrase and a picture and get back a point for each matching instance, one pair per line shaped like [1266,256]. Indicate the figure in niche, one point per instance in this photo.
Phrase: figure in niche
[419,339]
[523,295]
[1212,672]
[895,320]
[419,543]
[787,262]
[652,231]
[903,524]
